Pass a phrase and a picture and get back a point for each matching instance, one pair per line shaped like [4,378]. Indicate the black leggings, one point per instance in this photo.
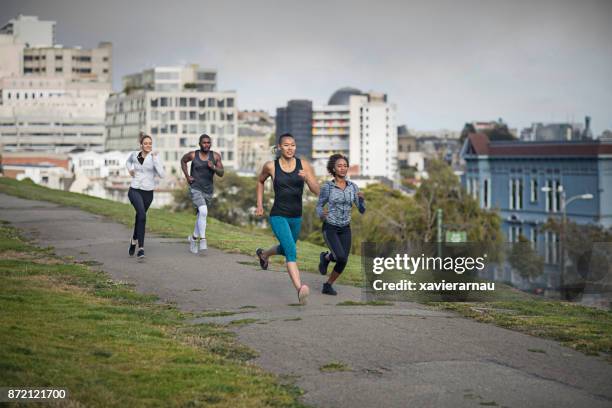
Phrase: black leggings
[338,239]
[141,200]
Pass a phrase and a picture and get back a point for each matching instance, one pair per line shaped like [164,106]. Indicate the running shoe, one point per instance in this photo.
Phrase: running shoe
[132,249]
[193,244]
[140,254]
[323,263]
[328,290]
[203,245]
[303,293]
[262,262]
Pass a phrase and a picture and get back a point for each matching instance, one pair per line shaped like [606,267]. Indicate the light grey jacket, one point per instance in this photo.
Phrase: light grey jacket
[144,177]
[339,202]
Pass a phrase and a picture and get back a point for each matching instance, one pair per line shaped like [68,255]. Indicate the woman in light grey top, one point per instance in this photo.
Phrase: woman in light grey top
[143,165]
[338,195]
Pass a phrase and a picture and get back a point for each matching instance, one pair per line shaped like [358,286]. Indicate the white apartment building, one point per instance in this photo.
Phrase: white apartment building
[51,114]
[165,103]
[99,165]
[373,136]
[51,98]
[330,134]
[358,125]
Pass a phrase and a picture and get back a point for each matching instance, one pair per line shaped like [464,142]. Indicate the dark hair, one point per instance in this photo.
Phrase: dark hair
[204,136]
[143,137]
[284,135]
[331,163]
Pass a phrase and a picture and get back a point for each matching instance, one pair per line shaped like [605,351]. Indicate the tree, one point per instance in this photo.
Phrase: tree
[524,259]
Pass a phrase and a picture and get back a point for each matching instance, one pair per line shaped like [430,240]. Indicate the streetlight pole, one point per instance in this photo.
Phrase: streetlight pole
[564,204]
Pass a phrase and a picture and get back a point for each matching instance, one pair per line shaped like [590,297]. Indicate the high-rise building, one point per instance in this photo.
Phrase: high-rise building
[166,103]
[296,119]
[331,128]
[373,136]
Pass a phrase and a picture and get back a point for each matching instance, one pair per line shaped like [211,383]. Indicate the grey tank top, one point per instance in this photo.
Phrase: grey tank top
[202,174]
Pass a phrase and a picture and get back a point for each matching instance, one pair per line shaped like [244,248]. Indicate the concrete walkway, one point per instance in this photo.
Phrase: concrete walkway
[405,355]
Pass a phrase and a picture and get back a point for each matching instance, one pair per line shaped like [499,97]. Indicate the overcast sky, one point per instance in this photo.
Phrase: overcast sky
[442,63]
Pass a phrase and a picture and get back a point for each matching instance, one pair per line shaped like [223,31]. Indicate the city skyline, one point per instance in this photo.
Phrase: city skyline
[442,63]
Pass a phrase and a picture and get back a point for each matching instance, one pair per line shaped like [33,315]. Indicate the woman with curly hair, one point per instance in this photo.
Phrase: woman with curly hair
[339,195]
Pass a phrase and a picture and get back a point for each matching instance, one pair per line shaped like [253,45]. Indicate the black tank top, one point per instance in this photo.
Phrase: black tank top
[288,189]
[202,174]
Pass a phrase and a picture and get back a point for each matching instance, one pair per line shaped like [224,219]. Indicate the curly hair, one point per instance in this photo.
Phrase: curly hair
[331,163]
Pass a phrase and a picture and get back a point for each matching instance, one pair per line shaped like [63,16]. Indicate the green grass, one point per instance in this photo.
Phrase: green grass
[64,325]
[577,326]
[334,367]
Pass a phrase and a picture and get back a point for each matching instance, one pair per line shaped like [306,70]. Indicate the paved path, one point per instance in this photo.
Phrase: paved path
[404,355]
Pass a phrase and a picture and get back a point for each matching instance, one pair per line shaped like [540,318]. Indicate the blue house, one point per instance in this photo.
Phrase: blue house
[511,175]
[529,182]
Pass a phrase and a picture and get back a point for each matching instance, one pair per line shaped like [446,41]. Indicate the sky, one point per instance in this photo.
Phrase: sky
[442,62]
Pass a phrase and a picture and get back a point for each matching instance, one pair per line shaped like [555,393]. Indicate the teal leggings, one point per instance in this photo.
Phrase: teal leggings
[287,231]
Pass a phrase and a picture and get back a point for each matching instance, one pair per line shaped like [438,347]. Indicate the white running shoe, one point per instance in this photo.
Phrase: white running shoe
[203,245]
[193,244]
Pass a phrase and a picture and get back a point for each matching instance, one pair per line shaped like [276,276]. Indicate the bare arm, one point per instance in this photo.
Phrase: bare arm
[310,179]
[217,167]
[266,172]
[187,157]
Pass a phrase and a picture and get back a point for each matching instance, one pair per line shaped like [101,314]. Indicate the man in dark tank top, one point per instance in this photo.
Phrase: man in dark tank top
[204,165]
[289,174]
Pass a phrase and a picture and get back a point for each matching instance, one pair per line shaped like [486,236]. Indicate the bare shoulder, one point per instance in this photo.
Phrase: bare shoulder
[189,156]
[217,156]
[267,170]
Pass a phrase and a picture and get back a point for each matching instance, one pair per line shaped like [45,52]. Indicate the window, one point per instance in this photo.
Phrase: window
[533,238]
[193,102]
[230,102]
[514,232]
[515,194]
[486,194]
[173,129]
[206,76]
[182,102]
[183,142]
[59,69]
[551,242]
[212,102]
[193,115]
[558,192]
[59,57]
[182,115]
[163,101]
[154,103]
[534,190]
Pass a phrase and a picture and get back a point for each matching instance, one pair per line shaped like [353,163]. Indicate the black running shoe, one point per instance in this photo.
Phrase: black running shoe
[262,262]
[328,290]
[132,249]
[140,253]
[323,263]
